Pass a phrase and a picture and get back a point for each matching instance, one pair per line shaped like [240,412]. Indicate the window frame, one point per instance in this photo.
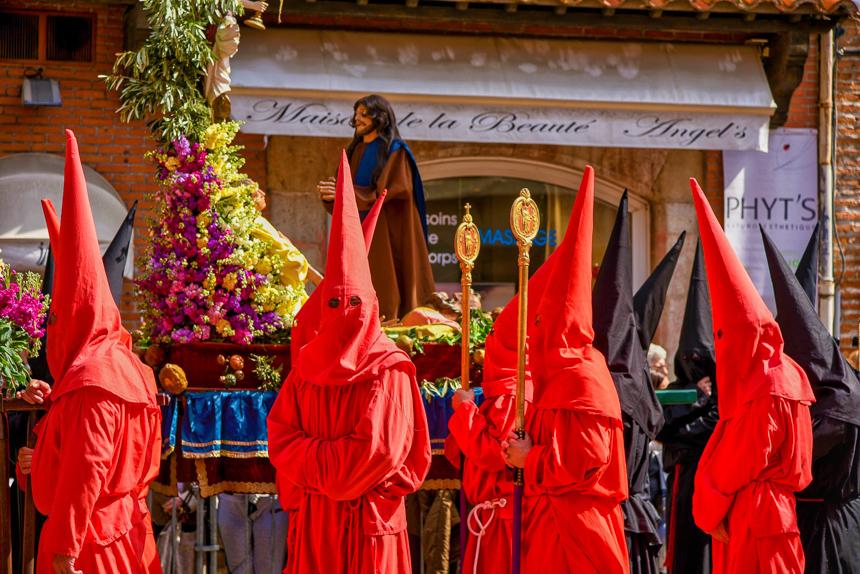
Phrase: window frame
[42,51]
[564,176]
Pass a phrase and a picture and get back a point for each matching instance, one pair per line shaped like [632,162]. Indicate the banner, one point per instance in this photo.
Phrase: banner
[777,190]
[281,115]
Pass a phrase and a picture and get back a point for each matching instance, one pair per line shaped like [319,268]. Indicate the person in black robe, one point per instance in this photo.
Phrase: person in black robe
[616,336]
[648,303]
[828,510]
[688,427]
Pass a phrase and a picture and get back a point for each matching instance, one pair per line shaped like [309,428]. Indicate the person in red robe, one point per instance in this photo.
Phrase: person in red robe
[760,452]
[305,327]
[348,434]
[98,446]
[573,453]
[477,433]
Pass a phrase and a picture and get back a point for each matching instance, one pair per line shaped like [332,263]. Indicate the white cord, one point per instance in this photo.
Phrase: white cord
[481,527]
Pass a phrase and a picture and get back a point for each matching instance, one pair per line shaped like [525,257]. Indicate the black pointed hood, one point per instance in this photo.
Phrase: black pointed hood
[649,300]
[695,357]
[117,252]
[807,269]
[615,333]
[807,341]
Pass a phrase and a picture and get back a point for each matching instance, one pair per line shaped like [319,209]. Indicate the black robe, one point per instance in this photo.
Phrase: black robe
[616,336]
[684,436]
[828,510]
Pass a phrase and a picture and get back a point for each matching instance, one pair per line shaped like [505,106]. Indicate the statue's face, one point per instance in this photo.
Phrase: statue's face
[363,121]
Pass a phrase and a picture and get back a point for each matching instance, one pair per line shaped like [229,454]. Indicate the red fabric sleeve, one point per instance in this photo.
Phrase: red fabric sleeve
[350,466]
[739,450]
[84,463]
[479,434]
[578,455]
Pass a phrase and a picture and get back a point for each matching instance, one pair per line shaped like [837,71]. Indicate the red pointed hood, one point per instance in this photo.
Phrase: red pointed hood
[89,346]
[307,320]
[500,358]
[350,346]
[747,339]
[568,371]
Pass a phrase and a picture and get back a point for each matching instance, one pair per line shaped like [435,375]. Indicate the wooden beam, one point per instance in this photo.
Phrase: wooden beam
[534,22]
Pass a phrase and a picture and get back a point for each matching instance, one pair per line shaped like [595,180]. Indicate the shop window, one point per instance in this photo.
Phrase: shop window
[46,37]
[491,196]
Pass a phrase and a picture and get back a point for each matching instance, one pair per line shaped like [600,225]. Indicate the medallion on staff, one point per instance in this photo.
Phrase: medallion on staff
[467,244]
[525,223]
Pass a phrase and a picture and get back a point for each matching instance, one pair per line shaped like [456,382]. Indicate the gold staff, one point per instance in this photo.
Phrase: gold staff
[525,221]
[467,244]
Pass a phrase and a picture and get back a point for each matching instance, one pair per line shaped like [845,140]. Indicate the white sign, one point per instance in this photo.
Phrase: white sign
[777,190]
[274,115]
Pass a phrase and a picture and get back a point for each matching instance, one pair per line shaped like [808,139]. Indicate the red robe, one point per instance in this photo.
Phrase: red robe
[97,449]
[575,475]
[766,449]
[348,433]
[760,453]
[94,459]
[575,481]
[351,452]
[477,433]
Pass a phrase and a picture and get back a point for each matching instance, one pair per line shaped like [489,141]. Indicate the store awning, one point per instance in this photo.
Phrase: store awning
[505,90]
[26,179]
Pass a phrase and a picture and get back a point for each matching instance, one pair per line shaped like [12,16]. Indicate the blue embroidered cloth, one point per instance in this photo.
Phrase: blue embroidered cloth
[233,423]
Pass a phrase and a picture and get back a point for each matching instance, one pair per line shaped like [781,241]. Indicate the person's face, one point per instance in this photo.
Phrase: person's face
[363,121]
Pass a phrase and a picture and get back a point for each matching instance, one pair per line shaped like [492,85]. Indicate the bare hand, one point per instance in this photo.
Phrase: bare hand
[65,565]
[170,503]
[721,533]
[515,450]
[36,392]
[461,396]
[705,385]
[327,189]
[25,459]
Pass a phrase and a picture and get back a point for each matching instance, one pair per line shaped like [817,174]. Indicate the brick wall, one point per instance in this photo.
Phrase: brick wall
[112,148]
[847,200]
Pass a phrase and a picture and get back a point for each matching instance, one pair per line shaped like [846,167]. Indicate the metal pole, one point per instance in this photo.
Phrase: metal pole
[199,548]
[525,222]
[176,531]
[827,286]
[28,552]
[213,547]
[467,244]
[5,517]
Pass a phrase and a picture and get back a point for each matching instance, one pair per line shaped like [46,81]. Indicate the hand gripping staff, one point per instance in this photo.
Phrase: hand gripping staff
[467,244]
[525,222]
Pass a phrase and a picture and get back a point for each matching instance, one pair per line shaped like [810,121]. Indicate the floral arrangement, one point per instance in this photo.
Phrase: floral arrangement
[22,325]
[214,269]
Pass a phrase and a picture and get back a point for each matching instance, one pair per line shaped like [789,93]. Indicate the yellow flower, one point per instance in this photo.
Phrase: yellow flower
[202,242]
[209,283]
[171,164]
[264,267]
[223,328]
[229,282]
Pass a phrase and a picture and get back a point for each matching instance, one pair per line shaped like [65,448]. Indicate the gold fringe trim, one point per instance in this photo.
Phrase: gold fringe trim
[441,484]
[225,454]
[207,490]
[229,442]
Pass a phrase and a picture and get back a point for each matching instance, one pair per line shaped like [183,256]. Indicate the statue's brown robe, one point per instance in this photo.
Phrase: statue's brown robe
[399,260]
